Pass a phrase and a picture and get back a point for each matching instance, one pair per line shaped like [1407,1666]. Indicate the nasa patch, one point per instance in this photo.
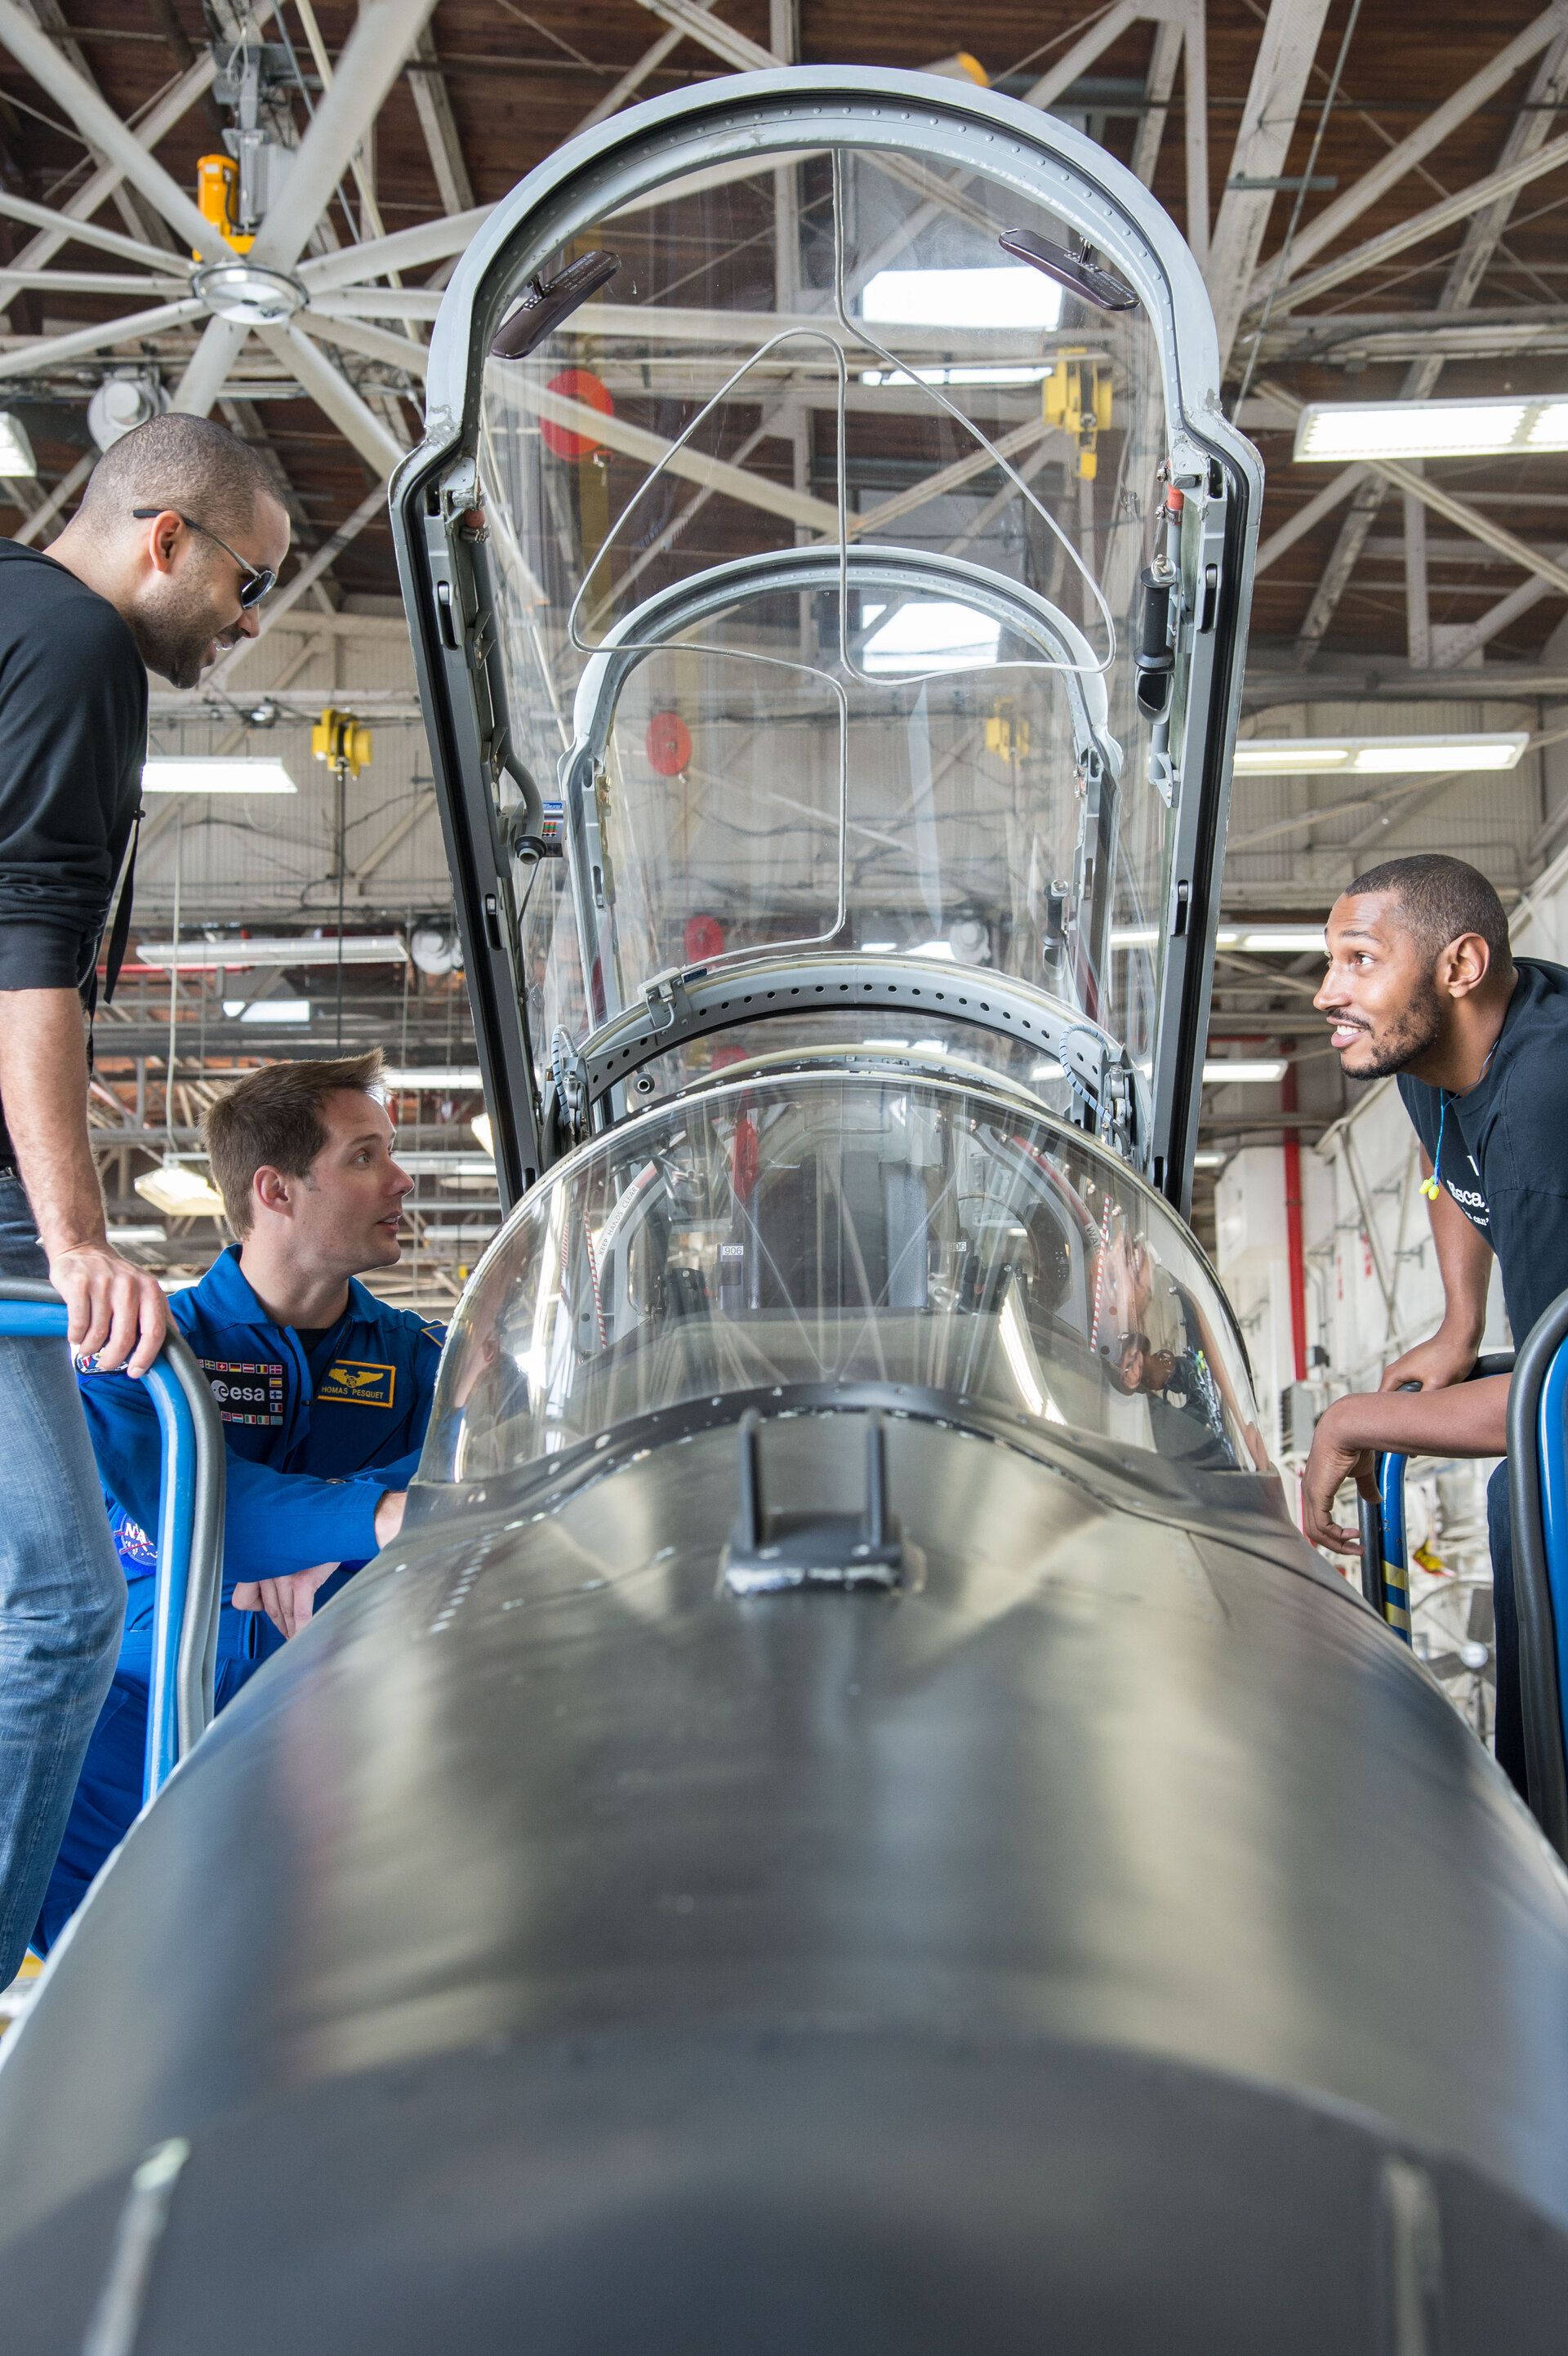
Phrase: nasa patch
[355,1382]
[133,1545]
[248,1390]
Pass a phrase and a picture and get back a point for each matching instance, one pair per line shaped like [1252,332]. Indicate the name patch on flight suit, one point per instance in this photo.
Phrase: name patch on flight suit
[248,1390]
[355,1382]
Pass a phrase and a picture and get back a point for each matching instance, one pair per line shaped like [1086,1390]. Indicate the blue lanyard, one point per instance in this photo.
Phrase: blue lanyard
[1429,1187]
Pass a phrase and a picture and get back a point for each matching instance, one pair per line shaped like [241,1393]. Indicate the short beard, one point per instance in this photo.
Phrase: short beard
[1419,1028]
[175,632]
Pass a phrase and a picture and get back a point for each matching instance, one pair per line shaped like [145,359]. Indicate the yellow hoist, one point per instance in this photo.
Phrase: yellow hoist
[218,200]
[341,740]
[1076,396]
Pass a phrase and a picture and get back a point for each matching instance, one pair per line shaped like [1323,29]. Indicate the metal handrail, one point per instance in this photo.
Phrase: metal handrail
[1538,1485]
[190,1529]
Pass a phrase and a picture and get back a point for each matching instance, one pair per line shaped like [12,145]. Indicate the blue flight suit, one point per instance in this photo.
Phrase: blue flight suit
[314,1442]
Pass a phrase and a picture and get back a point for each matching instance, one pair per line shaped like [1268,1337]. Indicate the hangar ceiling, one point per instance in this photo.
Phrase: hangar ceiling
[1379,218]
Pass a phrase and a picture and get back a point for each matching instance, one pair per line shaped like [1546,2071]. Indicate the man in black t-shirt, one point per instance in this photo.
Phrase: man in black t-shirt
[179,535]
[1422,982]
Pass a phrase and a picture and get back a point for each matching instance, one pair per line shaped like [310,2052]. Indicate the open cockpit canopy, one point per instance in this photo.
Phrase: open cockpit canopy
[827,567]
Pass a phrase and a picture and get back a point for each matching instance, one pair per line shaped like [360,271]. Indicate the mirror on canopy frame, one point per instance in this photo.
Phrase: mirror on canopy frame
[829,565]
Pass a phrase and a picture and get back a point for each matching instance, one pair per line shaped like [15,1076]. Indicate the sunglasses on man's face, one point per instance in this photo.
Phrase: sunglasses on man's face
[254,582]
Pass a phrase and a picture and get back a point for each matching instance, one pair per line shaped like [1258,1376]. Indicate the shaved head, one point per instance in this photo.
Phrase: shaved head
[1438,900]
[188,463]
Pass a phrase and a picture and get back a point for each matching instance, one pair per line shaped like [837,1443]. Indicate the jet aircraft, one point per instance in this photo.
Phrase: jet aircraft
[850,1819]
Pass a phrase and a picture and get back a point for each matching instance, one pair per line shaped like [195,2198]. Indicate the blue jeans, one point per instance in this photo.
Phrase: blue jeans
[62,1598]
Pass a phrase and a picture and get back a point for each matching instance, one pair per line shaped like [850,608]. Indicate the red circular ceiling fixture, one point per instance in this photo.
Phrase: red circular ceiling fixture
[583,386]
[667,744]
[704,940]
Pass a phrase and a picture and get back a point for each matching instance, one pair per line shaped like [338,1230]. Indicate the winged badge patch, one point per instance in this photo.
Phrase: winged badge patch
[354,1381]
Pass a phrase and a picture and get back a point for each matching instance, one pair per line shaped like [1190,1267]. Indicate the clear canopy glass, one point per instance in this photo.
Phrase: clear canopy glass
[816,536]
[806,1228]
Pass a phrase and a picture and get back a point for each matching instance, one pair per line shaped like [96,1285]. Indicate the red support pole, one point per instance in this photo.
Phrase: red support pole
[1294,1243]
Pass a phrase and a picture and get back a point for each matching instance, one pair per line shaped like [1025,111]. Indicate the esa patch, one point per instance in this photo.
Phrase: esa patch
[248,1390]
[355,1382]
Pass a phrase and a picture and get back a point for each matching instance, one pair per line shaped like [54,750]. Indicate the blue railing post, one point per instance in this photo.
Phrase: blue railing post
[1552,1423]
[1537,1445]
[190,1529]
[1396,1569]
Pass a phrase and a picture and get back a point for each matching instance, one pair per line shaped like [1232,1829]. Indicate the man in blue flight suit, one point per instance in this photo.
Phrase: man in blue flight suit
[325,1394]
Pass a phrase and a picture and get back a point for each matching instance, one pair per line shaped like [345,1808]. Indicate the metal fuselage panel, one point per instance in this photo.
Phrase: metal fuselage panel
[1100,1782]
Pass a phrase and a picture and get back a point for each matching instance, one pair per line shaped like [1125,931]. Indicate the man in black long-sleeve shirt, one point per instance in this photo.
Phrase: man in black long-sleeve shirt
[180,534]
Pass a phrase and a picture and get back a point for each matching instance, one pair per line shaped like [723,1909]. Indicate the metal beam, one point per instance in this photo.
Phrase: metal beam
[207,370]
[1158,92]
[335,397]
[370,62]
[109,241]
[1417,605]
[406,249]
[1460,644]
[1077,61]
[1336,218]
[98,124]
[49,16]
[1507,181]
[43,515]
[29,355]
[1268,120]
[1308,518]
[433,104]
[1525,139]
[615,96]
[160,118]
[1194,99]
[692,466]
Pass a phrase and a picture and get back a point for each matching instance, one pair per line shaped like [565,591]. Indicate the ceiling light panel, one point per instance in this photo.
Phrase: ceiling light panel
[1263,1072]
[1331,432]
[206,774]
[1296,757]
[233,956]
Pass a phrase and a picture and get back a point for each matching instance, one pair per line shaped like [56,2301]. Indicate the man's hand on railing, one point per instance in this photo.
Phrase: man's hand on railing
[117,1313]
[1337,1456]
[289,1601]
[1431,1366]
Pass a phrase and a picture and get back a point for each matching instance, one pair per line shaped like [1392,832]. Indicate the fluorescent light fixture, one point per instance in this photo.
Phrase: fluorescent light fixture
[1275,940]
[204,773]
[1210,1160]
[1033,372]
[480,1125]
[879,949]
[1332,432]
[962,298]
[120,1237]
[181,1192]
[931,633]
[234,954]
[268,1010]
[15,451]
[453,1164]
[1262,1073]
[1386,757]
[1267,941]
[432,1076]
